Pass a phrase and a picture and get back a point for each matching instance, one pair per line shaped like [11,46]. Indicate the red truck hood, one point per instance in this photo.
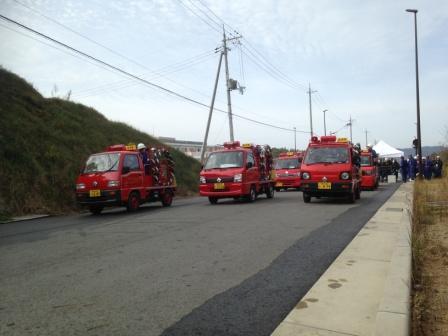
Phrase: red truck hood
[98,180]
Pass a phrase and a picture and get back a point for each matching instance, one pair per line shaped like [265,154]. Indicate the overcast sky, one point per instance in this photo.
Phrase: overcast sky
[358,55]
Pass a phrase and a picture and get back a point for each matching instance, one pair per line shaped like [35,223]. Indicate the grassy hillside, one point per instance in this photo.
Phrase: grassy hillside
[43,143]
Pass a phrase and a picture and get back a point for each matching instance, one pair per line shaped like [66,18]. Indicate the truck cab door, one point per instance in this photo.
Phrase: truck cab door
[132,172]
[253,174]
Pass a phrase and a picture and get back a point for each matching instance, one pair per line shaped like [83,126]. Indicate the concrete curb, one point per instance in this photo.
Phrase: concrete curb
[366,290]
[24,218]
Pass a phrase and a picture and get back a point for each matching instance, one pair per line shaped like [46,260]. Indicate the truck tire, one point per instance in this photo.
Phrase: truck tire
[252,195]
[213,200]
[133,202]
[269,191]
[306,197]
[96,209]
[167,198]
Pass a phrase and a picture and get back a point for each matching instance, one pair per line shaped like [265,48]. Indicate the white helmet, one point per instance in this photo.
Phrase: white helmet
[141,146]
[369,145]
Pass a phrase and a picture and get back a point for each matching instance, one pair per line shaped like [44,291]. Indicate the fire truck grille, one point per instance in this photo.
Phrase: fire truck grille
[222,179]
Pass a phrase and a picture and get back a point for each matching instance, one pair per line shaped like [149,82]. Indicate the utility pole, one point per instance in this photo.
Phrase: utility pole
[366,131]
[229,103]
[350,124]
[419,134]
[310,92]
[325,125]
[212,104]
[295,140]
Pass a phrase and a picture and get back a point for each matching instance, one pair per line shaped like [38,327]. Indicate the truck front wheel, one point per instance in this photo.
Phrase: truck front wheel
[133,202]
[167,198]
[213,200]
[96,209]
[252,194]
[306,197]
[269,191]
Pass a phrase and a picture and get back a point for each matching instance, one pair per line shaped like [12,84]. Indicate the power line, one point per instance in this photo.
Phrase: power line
[263,58]
[123,72]
[257,57]
[202,19]
[79,34]
[157,73]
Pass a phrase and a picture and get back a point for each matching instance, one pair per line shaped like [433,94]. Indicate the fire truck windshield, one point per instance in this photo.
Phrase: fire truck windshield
[287,164]
[326,155]
[227,159]
[102,163]
[365,160]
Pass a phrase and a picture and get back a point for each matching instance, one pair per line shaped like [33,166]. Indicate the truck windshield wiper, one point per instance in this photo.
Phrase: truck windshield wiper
[112,166]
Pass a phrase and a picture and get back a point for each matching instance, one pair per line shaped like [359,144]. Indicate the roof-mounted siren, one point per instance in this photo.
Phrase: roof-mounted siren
[116,148]
[231,144]
[328,138]
[314,139]
[283,154]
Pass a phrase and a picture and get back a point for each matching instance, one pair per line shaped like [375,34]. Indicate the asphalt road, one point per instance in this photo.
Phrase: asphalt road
[192,269]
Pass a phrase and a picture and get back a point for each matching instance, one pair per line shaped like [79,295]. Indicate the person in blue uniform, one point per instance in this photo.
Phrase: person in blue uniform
[437,166]
[404,169]
[427,168]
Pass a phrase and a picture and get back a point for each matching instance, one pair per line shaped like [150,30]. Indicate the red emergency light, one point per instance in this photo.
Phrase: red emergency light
[231,144]
[328,138]
[116,148]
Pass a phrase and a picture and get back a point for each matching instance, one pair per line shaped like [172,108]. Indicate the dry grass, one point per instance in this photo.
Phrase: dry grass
[430,257]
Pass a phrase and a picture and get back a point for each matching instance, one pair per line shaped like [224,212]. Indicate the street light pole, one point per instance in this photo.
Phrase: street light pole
[419,135]
[325,125]
[295,141]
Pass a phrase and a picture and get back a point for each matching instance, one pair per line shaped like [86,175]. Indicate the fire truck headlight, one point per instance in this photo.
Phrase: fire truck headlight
[202,179]
[80,186]
[238,178]
[113,183]
[305,176]
[345,176]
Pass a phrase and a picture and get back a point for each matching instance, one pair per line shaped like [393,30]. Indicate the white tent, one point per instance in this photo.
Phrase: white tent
[386,151]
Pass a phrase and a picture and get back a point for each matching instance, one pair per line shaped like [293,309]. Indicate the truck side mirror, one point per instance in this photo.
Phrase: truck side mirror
[125,170]
[249,165]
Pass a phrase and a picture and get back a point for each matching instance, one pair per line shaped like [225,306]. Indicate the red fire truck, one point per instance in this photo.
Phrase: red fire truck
[370,176]
[287,170]
[330,168]
[119,177]
[237,171]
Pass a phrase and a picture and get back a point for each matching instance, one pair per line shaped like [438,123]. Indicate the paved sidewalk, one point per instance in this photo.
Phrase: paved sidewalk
[366,290]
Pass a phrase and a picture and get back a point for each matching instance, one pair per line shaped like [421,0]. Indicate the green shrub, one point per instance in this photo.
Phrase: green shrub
[44,142]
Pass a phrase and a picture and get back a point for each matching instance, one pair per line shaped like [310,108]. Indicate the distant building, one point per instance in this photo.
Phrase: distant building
[190,148]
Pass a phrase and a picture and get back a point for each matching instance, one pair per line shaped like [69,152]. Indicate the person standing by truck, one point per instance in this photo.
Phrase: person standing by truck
[395,169]
[404,169]
[427,168]
[143,151]
[437,167]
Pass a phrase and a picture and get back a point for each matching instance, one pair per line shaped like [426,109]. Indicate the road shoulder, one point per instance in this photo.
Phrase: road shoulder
[366,290]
